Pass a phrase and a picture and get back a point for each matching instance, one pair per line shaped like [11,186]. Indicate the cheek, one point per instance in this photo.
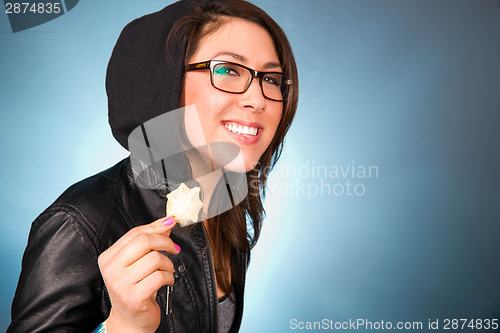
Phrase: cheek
[209,104]
[193,93]
[190,91]
[275,118]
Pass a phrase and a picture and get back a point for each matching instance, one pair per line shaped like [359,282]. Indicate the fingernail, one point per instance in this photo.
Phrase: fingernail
[168,221]
[178,248]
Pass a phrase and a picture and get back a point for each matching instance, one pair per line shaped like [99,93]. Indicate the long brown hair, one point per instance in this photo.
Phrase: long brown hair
[230,231]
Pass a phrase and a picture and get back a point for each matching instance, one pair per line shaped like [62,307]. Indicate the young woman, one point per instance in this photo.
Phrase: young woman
[94,256]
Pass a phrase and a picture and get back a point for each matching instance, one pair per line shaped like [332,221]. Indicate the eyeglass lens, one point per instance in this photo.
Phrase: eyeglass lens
[234,78]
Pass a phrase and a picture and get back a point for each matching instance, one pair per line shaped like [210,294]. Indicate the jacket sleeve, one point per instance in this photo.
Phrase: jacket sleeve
[60,286]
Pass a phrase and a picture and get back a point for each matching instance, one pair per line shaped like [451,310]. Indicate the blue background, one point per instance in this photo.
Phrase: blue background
[410,87]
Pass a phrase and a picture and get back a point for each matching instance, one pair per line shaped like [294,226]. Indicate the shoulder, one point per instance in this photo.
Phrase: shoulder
[94,187]
[87,206]
[63,246]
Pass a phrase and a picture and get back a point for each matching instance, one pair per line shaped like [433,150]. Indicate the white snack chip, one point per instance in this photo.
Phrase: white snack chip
[184,204]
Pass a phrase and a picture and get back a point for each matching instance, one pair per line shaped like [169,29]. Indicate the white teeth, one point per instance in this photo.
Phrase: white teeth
[238,129]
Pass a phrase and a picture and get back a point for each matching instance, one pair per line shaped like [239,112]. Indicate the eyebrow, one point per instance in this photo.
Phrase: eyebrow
[267,65]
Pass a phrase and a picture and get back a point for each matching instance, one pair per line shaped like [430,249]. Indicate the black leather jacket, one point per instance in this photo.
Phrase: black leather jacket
[61,289]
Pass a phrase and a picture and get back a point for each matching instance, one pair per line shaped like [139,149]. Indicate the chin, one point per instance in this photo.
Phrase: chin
[242,164]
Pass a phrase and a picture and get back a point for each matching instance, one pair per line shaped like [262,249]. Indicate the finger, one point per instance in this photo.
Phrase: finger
[154,281]
[160,226]
[141,245]
[153,261]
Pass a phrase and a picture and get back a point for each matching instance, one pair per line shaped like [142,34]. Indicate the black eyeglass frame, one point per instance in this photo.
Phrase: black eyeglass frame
[210,64]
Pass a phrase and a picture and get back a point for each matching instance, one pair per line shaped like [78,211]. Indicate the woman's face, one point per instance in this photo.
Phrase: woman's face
[245,43]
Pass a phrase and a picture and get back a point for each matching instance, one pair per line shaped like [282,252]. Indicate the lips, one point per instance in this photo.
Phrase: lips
[244,131]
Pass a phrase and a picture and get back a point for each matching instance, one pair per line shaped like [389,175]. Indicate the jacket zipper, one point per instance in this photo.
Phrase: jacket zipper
[168,310]
[212,273]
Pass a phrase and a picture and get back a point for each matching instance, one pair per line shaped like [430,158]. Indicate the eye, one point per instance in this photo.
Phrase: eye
[227,70]
[273,79]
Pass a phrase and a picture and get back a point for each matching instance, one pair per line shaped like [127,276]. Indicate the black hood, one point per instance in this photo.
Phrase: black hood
[141,82]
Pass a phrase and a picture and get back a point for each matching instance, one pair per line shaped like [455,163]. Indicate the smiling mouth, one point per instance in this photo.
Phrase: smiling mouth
[240,129]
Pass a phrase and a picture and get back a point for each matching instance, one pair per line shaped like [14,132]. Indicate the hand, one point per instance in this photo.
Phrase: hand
[133,270]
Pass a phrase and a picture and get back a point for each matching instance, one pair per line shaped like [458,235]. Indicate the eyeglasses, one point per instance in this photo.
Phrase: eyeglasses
[236,79]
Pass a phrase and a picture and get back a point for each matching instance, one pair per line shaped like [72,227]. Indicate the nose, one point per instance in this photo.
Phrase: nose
[253,99]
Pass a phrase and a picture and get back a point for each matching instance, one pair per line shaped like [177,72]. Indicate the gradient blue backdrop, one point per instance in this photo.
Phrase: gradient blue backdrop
[409,87]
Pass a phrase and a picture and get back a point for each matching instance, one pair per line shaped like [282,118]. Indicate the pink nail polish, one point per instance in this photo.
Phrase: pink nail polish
[178,248]
[168,221]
